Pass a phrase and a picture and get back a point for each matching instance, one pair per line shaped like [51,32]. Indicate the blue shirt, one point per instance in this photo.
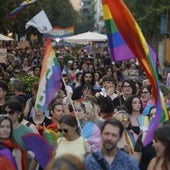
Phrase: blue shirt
[122,161]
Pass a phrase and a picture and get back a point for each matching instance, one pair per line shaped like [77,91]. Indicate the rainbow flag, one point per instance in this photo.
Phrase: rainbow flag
[58,32]
[49,79]
[119,50]
[130,141]
[20,8]
[132,35]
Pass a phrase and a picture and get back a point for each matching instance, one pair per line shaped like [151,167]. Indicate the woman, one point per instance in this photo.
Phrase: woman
[90,131]
[39,117]
[134,106]
[74,69]
[143,154]
[57,111]
[128,89]
[8,147]
[146,95]
[71,142]
[161,144]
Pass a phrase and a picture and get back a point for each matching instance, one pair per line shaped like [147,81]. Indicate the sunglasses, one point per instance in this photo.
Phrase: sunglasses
[11,112]
[144,92]
[63,130]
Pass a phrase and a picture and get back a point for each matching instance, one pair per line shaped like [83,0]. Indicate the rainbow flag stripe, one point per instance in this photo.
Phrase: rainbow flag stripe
[20,8]
[119,50]
[130,140]
[49,79]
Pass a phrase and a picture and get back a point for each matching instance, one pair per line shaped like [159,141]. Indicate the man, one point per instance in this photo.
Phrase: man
[18,91]
[37,70]
[110,157]
[87,82]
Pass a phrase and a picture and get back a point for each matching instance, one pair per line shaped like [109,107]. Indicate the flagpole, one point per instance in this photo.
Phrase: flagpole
[71,102]
[86,144]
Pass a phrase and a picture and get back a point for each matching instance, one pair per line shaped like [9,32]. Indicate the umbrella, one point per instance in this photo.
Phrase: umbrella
[86,38]
[5,38]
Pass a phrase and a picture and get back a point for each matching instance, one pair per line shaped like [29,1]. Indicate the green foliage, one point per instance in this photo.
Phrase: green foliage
[147,13]
[28,82]
[67,58]
[60,13]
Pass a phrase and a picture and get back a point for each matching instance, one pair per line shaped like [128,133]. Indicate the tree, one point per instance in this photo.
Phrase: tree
[147,13]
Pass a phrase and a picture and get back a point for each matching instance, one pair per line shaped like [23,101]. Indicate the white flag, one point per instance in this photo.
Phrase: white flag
[41,22]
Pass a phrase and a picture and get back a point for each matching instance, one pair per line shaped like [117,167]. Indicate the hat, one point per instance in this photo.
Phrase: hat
[3,85]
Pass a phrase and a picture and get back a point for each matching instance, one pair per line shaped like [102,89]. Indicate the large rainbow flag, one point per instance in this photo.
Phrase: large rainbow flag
[117,11]
[119,50]
[20,8]
[49,79]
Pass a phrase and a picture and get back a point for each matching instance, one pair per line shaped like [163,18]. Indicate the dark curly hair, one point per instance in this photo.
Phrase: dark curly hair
[128,103]
[106,104]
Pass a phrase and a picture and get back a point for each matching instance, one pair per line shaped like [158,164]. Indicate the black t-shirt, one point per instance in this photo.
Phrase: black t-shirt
[47,121]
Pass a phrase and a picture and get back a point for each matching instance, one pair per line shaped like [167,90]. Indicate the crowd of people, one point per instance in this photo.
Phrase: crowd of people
[97,118]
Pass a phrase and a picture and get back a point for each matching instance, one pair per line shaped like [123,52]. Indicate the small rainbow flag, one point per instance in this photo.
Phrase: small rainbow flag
[20,8]
[143,122]
[49,79]
[130,140]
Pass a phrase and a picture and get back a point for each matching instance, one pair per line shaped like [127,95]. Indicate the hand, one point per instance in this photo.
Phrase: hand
[126,148]
[31,154]
[88,148]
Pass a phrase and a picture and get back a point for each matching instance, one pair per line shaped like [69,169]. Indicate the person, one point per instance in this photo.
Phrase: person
[18,90]
[86,115]
[66,162]
[128,89]
[124,143]
[161,144]
[28,110]
[14,109]
[87,80]
[143,154]
[71,142]
[108,87]
[134,106]
[3,93]
[8,147]
[37,70]
[39,117]
[146,95]
[109,156]
[106,109]
[57,110]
